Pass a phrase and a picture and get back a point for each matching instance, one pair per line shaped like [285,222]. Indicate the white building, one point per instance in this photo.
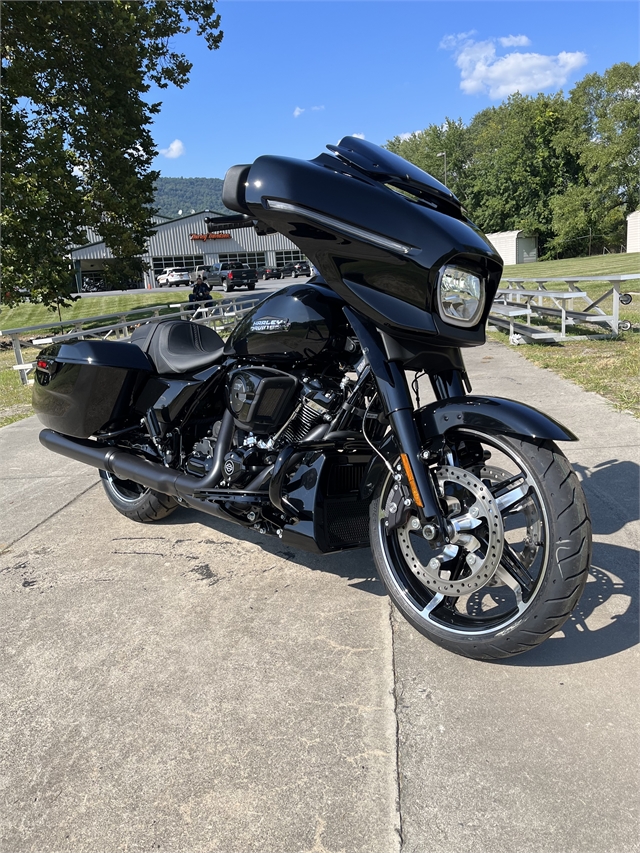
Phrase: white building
[633,231]
[514,247]
[185,242]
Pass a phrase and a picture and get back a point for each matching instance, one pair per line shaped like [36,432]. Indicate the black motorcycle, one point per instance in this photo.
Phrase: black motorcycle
[302,425]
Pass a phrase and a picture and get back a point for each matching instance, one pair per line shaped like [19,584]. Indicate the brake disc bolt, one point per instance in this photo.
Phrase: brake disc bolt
[471,559]
[474,512]
[429,531]
[434,564]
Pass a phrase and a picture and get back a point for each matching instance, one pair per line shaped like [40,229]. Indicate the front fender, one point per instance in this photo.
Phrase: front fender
[488,414]
[491,414]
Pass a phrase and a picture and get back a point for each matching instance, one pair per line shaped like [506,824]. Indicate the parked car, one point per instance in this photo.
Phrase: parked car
[232,274]
[295,269]
[303,268]
[202,270]
[269,272]
[173,277]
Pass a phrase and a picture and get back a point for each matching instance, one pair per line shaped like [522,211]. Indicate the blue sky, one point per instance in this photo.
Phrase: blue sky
[294,75]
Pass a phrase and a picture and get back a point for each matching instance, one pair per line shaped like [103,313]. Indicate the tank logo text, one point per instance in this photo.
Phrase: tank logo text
[271,324]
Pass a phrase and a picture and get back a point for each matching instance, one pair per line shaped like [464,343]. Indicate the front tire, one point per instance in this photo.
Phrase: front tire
[135,501]
[519,555]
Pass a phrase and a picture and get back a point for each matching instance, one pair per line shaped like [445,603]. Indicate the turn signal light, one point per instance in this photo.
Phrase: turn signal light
[412,480]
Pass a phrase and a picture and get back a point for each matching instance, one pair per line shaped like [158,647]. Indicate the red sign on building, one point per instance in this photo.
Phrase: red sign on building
[210,236]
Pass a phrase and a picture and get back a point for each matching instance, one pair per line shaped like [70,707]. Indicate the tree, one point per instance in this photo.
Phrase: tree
[518,163]
[425,147]
[602,132]
[77,150]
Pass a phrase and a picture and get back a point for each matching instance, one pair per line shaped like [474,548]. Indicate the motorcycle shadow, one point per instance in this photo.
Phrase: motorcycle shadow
[355,566]
[612,489]
[605,620]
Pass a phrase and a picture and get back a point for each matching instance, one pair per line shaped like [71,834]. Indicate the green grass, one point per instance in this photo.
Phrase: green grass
[595,265]
[608,367]
[33,314]
[15,398]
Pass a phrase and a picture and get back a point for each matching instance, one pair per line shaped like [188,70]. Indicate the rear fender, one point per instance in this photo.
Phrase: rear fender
[494,415]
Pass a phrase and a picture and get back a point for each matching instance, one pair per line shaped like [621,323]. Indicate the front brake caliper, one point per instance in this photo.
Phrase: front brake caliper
[397,507]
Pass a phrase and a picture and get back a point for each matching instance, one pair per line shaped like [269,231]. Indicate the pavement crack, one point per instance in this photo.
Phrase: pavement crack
[399,827]
[6,546]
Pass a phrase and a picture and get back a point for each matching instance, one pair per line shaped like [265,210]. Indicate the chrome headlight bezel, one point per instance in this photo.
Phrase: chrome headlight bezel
[470,290]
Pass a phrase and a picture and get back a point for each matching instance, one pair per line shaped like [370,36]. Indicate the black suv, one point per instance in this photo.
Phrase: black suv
[269,272]
[303,268]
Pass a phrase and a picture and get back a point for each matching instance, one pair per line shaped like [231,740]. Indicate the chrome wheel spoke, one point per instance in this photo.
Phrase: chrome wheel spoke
[435,602]
[509,499]
[512,567]
[508,580]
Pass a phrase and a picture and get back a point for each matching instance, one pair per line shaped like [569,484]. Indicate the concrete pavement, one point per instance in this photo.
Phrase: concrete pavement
[191,686]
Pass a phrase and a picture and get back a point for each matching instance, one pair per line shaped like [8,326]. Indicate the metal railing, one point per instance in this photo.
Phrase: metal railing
[222,316]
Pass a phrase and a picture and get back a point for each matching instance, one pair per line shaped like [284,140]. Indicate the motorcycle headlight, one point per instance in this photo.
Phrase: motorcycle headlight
[460,296]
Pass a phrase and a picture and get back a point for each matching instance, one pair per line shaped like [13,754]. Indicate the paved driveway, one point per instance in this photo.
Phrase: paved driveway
[191,686]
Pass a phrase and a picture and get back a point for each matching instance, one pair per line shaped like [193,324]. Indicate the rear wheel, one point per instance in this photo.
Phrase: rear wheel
[518,553]
[226,286]
[135,501]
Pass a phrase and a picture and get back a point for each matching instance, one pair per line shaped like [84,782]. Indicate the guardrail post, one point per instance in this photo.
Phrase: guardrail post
[616,305]
[17,351]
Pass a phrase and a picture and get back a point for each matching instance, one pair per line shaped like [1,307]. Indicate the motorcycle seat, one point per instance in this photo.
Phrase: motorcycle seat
[179,346]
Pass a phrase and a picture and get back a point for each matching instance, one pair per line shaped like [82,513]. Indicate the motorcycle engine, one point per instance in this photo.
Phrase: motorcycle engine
[271,409]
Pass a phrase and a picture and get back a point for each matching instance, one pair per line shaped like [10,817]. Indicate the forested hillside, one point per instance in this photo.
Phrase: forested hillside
[564,167]
[188,194]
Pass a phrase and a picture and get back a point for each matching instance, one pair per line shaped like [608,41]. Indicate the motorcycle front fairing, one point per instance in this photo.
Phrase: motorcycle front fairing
[383,233]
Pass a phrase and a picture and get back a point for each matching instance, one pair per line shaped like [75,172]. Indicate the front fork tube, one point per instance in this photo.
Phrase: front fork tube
[398,407]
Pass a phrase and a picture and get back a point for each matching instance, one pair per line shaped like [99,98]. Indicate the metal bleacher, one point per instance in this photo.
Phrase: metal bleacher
[531,299]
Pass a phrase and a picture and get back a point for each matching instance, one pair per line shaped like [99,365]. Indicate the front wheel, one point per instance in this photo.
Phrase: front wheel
[518,553]
[135,501]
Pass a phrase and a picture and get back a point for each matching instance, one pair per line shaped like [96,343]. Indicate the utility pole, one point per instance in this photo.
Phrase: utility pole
[444,154]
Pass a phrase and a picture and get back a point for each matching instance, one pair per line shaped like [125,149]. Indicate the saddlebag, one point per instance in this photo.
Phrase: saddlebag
[84,387]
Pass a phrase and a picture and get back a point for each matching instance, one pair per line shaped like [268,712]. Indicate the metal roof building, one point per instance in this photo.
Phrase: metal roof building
[185,243]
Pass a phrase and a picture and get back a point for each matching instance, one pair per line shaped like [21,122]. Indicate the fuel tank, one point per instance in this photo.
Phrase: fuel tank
[295,325]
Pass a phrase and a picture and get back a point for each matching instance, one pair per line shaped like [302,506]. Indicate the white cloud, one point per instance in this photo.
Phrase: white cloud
[483,71]
[514,41]
[451,42]
[317,108]
[358,135]
[297,112]
[404,136]
[176,149]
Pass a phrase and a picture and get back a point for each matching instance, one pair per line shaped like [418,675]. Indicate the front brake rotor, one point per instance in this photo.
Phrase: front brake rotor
[480,518]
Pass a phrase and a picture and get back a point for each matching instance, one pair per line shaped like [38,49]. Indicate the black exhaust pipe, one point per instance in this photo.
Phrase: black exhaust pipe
[126,466]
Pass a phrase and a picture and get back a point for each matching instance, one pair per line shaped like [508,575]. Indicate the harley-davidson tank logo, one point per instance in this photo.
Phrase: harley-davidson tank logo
[271,324]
